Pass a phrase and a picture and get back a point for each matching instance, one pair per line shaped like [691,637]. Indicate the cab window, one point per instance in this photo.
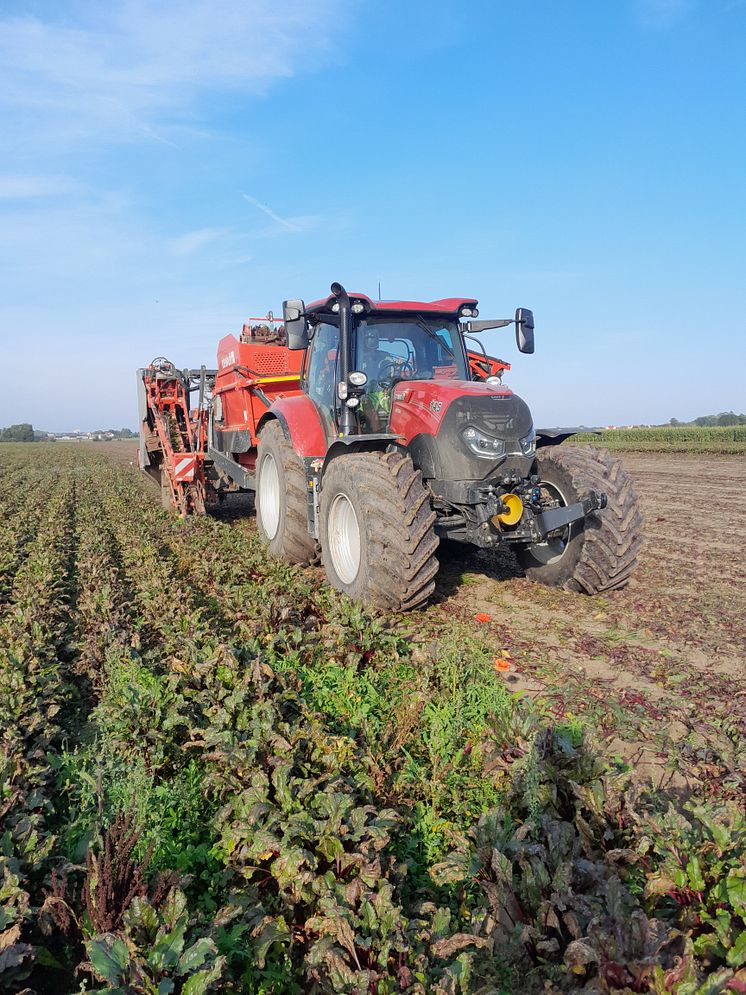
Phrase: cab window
[321,367]
[390,350]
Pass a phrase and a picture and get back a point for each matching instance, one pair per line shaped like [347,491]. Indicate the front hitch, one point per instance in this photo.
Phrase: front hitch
[556,518]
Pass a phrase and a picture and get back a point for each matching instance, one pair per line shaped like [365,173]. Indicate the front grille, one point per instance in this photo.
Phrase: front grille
[504,418]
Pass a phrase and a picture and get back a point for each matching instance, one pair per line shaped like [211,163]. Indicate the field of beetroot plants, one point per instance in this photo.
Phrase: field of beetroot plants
[217,775]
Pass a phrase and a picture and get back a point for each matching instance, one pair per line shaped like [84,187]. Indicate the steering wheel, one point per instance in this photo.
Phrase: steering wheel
[395,369]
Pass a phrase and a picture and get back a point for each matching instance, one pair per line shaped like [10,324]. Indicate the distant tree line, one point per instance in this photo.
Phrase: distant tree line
[710,421]
[25,433]
[114,433]
[17,433]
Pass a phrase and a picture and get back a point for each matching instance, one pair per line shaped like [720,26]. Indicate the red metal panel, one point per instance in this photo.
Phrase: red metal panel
[302,419]
[419,406]
[250,376]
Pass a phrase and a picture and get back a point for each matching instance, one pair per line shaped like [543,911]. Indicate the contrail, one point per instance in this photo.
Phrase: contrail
[270,213]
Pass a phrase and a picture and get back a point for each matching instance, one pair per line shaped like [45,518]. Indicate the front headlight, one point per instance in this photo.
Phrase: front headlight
[528,443]
[481,444]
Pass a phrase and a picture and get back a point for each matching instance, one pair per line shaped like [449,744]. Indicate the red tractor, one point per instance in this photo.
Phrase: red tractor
[370,433]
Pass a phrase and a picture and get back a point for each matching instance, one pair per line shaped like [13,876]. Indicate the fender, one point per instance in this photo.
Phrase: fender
[556,436]
[301,424]
[374,442]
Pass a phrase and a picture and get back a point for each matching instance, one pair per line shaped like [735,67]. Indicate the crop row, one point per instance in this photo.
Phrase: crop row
[220,775]
[35,697]
[715,439]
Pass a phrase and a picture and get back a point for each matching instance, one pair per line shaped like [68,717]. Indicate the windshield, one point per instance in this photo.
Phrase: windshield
[388,350]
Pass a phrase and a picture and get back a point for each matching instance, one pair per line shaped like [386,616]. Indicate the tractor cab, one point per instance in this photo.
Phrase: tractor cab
[360,352]
[386,349]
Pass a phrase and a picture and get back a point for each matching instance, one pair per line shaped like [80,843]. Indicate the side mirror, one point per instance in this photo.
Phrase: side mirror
[296,326]
[524,329]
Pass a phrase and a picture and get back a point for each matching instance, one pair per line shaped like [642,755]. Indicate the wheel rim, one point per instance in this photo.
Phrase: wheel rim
[269,495]
[555,545]
[344,539]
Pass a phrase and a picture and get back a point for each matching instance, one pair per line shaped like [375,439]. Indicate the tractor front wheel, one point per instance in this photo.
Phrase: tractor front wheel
[377,538]
[281,507]
[599,553]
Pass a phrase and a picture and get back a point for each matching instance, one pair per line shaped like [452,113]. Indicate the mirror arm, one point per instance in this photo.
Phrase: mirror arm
[482,326]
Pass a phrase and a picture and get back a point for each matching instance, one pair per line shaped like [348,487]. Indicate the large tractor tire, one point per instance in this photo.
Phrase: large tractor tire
[600,553]
[378,543]
[281,508]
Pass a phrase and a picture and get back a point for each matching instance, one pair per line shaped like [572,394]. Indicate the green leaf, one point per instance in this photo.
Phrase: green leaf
[451,870]
[441,922]
[165,954]
[141,914]
[718,831]
[715,983]
[694,873]
[705,943]
[737,953]
[736,887]
[722,923]
[330,847]
[200,982]
[271,931]
[109,957]
[174,908]
[195,956]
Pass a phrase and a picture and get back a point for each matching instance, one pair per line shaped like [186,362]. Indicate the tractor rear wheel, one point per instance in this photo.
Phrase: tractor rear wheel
[281,507]
[600,553]
[378,543]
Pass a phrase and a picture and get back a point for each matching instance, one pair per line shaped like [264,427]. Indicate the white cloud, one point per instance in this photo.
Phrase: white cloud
[102,245]
[130,68]
[265,209]
[298,223]
[192,240]
[24,187]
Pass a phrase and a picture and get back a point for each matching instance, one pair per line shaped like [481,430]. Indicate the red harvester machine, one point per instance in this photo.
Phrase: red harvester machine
[369,431]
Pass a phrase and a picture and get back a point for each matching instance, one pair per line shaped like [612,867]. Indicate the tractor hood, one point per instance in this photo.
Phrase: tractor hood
[461,430]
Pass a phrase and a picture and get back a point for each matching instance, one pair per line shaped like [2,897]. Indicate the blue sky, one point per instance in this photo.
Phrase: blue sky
[167,169]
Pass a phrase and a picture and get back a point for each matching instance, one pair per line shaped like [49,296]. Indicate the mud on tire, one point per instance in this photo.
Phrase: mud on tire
[382,497]
[601,553]
[281,509]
